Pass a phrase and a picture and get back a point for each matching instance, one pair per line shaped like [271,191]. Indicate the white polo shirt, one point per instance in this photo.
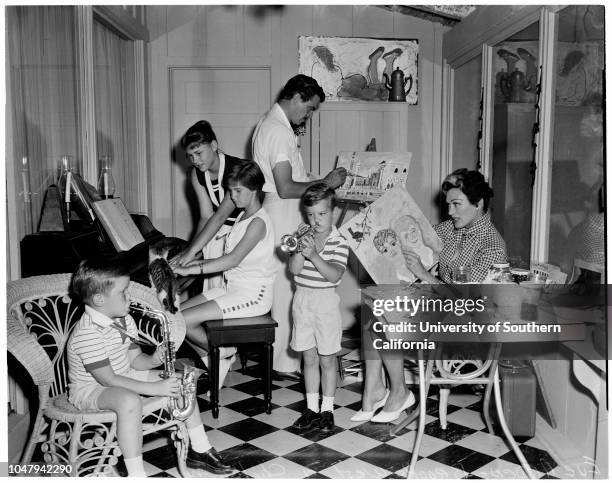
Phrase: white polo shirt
[275,141]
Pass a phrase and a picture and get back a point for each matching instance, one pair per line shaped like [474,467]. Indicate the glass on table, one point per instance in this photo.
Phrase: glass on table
[461,274]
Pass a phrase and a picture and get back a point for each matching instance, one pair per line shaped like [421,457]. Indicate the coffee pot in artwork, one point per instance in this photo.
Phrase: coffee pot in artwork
[397,85]
[515,84]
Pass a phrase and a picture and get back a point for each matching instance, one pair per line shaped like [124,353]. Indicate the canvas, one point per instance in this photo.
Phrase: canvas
[371,173]
[353,68]
[389,225]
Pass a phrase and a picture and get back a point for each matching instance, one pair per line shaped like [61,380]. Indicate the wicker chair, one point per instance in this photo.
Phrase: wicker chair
[40,319]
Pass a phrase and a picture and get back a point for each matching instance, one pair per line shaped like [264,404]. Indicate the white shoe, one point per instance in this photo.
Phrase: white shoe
[362,415]
[388,416]
[224,366]
[226,352]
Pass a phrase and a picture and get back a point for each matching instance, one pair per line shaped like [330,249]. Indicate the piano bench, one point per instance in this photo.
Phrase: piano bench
[230,332]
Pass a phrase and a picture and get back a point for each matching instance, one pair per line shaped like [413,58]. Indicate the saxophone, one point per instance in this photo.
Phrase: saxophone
[183,405]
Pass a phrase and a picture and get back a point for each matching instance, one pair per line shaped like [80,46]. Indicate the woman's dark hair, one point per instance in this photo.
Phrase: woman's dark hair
[248,174]
[305,86]
[200,133]
[317,192]
[472,184]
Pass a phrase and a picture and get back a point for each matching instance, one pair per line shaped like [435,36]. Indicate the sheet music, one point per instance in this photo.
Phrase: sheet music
[118,223]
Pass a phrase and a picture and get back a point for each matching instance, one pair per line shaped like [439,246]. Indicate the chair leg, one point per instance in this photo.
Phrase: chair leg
[243,355]
[110,450]
[486,404]
[39,424]
[443,405]
[73,450]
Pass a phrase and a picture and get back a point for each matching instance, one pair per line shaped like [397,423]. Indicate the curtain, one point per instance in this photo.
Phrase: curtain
[115,109]
[44,103]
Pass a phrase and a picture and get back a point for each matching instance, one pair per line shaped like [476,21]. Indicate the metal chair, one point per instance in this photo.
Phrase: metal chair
[40,319]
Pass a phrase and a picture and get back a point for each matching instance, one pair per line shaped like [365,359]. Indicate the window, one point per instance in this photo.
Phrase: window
[44,102]
[114,82]
[576,225]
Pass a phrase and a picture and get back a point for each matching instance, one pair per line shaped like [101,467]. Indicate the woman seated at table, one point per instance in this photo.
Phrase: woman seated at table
[469,240]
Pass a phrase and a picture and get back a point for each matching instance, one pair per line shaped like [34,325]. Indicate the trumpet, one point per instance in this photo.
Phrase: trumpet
[182,406]
[293,242]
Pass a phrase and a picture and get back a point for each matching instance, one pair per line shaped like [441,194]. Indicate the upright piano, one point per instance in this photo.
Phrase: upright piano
[47,252]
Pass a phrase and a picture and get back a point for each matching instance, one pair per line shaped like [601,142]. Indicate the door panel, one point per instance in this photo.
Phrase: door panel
[232,100]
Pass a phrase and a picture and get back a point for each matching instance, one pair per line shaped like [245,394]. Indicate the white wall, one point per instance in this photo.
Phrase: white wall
[263,36]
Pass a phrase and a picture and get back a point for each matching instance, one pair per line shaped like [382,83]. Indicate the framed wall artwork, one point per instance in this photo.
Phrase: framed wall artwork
[357,68]
[391,224]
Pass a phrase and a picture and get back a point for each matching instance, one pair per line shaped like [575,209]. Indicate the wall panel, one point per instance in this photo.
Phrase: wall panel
[333,20]
[267,37]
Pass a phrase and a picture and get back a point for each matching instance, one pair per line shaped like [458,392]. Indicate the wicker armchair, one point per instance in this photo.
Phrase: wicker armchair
[40,319]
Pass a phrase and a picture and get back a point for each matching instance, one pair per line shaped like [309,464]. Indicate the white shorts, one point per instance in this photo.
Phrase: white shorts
[84,395]
[317,321]
[237,301]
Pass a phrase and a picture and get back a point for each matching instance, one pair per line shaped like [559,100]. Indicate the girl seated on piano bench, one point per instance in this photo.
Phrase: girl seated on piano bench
[247,264]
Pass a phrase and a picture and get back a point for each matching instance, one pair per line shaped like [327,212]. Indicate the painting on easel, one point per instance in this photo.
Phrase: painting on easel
[380,234]
[370,173]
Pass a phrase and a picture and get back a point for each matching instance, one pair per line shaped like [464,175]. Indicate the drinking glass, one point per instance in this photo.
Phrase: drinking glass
[461,274]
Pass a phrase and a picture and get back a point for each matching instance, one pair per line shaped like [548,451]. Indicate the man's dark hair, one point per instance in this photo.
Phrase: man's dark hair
[305,86]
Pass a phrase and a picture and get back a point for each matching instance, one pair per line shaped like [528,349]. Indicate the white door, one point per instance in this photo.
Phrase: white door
[232,100]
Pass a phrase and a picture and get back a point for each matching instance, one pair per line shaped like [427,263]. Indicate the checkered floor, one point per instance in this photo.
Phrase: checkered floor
[265,446]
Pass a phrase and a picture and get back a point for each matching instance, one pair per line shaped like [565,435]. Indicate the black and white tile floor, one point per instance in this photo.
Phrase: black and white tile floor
[265,446]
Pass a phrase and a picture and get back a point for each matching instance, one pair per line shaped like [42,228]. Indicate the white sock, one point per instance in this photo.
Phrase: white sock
[312,401]
[327,404]
[199,439]
[134,466]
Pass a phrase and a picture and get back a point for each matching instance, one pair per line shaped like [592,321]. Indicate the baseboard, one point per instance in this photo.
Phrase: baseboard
[573,462]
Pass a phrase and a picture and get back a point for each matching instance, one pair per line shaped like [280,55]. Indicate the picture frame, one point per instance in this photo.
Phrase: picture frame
[359,68]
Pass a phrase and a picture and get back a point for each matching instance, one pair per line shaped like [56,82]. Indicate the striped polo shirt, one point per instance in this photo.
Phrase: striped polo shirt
[98,341]
[334,251]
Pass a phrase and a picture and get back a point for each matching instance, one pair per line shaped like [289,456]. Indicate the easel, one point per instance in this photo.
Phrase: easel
[354,204]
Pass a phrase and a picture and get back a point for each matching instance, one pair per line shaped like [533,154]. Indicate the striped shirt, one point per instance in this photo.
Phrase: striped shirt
[334,251]
[477,247]
[97,342]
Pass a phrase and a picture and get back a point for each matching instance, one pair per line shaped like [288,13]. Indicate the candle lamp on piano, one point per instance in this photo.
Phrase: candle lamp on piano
[106,183]
[69,230]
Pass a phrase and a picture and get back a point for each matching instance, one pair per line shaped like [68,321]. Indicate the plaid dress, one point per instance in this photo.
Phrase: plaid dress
[477,247]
